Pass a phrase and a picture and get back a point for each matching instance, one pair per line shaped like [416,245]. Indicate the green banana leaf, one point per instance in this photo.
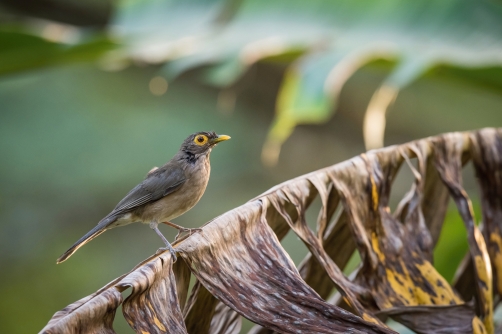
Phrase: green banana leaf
[331,40]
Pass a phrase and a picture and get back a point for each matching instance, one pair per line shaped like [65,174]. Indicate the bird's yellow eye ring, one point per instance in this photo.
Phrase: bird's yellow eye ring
[200,140]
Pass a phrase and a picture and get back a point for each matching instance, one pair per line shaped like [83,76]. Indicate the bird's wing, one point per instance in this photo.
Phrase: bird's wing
[156,185]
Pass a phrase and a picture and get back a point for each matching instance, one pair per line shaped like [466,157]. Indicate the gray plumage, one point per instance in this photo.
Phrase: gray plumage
[166,192]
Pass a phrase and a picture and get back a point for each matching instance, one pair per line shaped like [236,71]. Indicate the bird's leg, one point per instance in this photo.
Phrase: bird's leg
[154,227]
[182,229]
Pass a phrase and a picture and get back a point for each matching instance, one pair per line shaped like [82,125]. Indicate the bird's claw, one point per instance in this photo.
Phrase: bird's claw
[190,231]
[171,250]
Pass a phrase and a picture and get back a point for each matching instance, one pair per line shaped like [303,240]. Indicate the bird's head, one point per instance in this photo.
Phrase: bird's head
[202,142]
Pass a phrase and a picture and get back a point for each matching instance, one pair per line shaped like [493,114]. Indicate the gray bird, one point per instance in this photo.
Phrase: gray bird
[166,192]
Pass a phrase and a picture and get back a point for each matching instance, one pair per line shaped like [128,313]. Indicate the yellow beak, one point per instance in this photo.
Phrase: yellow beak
[221,138]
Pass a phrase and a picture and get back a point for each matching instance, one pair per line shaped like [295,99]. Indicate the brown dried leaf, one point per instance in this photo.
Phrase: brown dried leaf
[409,210]
[200,308]
[402,276]
[432,319]
[448,151]
[293,193]
[240,261]
[153,306]
[339,246]
[182,275]
[93,314]
[486,151]
[243,270]
[225,321]
[435,196]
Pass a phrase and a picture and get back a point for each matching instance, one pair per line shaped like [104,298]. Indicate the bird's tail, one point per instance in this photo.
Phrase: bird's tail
[100,228]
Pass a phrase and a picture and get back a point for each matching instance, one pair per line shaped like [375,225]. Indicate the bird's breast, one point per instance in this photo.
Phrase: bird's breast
[182,200]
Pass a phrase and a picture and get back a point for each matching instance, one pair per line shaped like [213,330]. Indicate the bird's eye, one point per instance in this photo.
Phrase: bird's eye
[200,140]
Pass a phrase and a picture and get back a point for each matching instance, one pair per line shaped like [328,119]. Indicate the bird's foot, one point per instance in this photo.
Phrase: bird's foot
[168,245]
[190,231]
[182,229]
[171,250]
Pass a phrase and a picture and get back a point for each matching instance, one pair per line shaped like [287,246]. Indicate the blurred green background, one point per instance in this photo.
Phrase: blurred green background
[93,94]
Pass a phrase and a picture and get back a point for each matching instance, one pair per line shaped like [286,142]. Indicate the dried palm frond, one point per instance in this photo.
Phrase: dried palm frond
[242,269]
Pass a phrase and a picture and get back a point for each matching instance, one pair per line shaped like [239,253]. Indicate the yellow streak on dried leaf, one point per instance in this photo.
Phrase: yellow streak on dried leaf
[477,326]
[158,324]
[376,247]
[497,259]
